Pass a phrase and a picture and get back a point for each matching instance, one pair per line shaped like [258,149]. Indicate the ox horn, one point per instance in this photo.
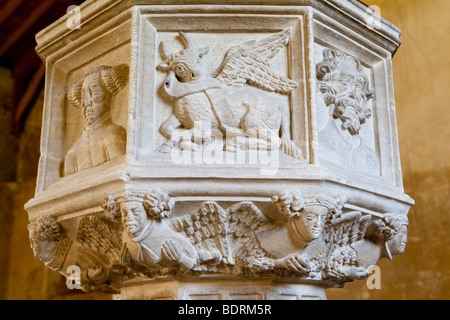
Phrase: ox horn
[163,50]
[187,41]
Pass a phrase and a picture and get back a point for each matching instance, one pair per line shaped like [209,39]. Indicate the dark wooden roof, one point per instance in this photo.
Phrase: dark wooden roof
[20,21]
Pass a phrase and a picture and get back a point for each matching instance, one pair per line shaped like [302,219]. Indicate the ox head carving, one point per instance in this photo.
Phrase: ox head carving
[186,65]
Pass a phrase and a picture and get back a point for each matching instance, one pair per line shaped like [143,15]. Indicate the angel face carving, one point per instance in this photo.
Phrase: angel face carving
[101,140]
[49,242]
[392,230]
[44,236]
[306,221]
[397,245]
[138,210]
[150,240]
[311,222]
[134,217]
[305,215]
[220,101]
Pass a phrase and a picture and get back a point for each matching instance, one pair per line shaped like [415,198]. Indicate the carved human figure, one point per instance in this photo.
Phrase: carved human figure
[346,91]
[149,239]
[246,117]
[384,238]
[297,241]
[101,139]
[92,251]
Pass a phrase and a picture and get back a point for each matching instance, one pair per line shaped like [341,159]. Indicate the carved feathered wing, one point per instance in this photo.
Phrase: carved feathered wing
[347,229]
[249,63]
[214,231]
[244,219]
[341,262]
[206,230]
[102,236]
[99,254]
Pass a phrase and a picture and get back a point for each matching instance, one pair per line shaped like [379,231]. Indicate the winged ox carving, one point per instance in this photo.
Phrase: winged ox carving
[244,114]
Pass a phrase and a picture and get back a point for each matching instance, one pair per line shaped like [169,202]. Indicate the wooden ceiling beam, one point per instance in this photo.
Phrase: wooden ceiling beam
[27,62]
[71,2]
[30,92]
[40,10]
[28,69]
[8,9]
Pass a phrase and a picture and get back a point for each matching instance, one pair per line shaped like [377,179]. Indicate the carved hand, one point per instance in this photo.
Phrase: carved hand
[171,250]
[297,263]
[357,273]
[354,273]
[212,256]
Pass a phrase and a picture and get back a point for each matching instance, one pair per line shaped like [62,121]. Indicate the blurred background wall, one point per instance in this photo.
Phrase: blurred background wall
[422,78]
[421,75]
[21,105]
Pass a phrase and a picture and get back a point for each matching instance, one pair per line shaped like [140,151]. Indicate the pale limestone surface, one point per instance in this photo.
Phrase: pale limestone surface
[249,143]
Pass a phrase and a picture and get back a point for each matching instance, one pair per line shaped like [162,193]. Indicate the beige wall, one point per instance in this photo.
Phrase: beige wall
[421,68]
[421,76]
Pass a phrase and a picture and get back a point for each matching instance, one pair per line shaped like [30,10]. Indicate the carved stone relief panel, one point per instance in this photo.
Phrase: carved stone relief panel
[369,142]
[218,101]
[245,88]
[346,127]
[141,83]
[312,238]
[86,116]
[101,140]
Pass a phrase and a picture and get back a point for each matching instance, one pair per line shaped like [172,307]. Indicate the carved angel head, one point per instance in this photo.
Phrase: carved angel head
[186,65]
[308,225]
[392,230]
[136,209]
[345,88]
[93,94]
[397,233]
